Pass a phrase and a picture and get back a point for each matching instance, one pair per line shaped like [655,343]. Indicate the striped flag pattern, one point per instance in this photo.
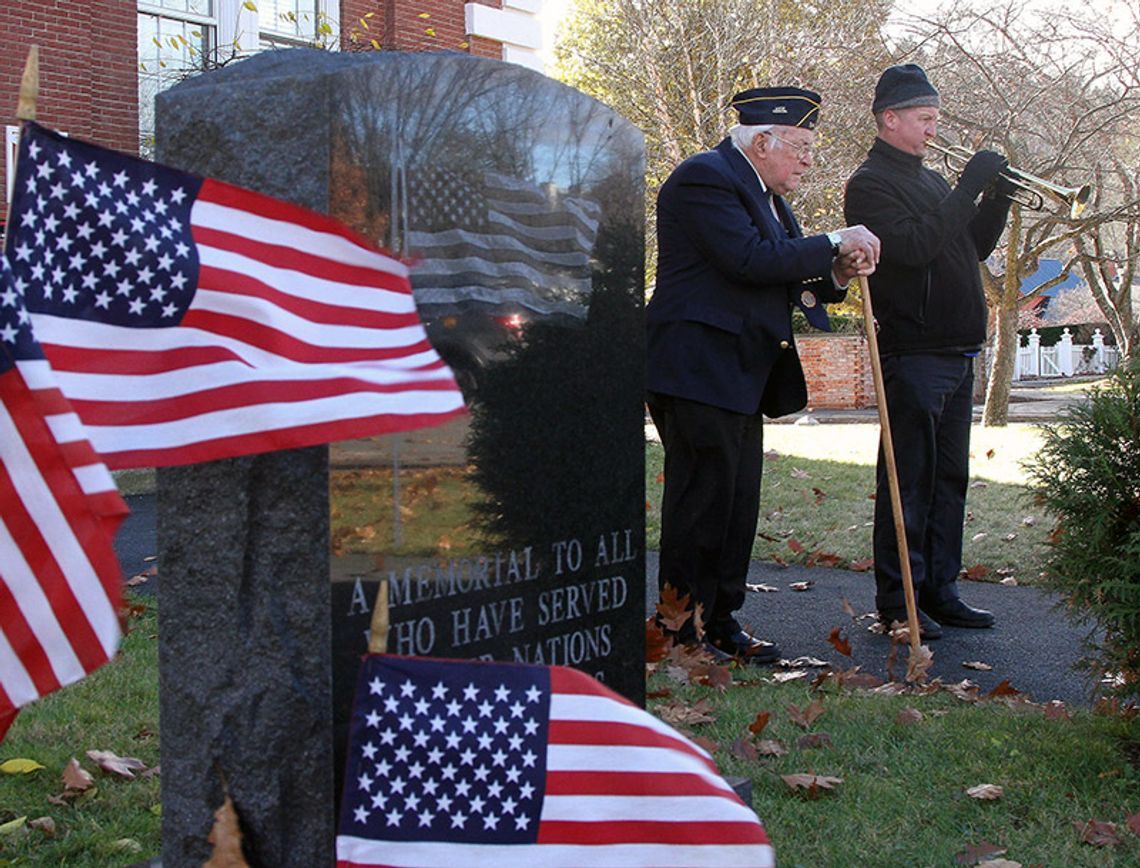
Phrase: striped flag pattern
[499,239]
[488,765]
[190,320]
[59,577]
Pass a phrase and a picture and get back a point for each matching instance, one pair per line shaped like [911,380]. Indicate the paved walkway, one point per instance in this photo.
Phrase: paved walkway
[1033,645]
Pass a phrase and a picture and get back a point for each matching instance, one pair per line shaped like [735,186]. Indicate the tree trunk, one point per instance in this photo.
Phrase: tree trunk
[996,413]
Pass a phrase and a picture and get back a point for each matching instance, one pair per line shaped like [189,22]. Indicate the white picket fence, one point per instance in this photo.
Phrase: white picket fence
[1064,358]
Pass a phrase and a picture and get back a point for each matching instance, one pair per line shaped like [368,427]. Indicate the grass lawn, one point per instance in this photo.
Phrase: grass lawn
[817,498]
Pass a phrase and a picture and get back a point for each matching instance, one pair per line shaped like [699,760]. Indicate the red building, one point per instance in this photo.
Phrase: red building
[103,61]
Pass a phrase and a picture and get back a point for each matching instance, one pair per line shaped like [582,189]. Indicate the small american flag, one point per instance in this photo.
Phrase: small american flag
[190,320]
[495,239]
[456,763]
[59,578]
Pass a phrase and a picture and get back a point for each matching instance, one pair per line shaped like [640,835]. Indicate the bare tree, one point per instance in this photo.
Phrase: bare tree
[672,68]
[1058,93]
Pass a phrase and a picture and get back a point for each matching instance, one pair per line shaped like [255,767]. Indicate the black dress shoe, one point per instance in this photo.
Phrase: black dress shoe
[928,629]
[955,613]
[746,646]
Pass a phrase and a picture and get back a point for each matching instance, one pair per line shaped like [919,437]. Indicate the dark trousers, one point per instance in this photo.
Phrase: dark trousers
[930,404]
[713,464]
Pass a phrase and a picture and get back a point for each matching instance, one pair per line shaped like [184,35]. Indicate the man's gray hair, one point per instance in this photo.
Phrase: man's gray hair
[743,134]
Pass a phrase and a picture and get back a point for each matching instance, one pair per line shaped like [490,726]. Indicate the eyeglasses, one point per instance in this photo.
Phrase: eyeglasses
[803,150]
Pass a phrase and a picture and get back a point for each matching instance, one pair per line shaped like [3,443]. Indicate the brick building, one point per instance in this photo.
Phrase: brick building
[103,61]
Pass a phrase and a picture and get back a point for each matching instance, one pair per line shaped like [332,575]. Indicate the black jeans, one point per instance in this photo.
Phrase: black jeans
[714,459]
[930,405]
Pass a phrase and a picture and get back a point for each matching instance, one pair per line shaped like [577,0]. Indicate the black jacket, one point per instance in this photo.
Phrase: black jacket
[719,322]
[927,290]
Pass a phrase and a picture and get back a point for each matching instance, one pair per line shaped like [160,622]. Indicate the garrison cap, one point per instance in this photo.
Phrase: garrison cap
[786,106]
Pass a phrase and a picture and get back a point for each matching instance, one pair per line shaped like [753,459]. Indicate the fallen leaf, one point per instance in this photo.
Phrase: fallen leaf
[1009,581]
[705,742]
[656,642]
[792,675]
[856,679]
[672,609]
[778,560]
[977,664]
[46,825]
[1003,689]
[1099,833]
[225,836]
[761,721]
[1029,520]
[813,785]
[839,642]
[800,474]
[801,586]
[820,495]
[976,853]
[918,664]
[795,545]
[990,453]
[1010,537]
[76,778]
[979,536]
[986,792]
[660,478]
[861,566]
[827,560]
[805,660]
[979,484]
[743,748]
[678,712]
[977,572]
[763,589]
[1133,824]
[808,715]
[813,740]
[909,715]
[123,766]
[770,747]
[848,609]
[966,690]
[19,766]
[13,825]
[1055,710]
[999,863]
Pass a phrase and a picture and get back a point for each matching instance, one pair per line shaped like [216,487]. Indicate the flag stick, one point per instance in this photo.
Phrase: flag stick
[378,627]
[892,469]
[29,86]
[26,106]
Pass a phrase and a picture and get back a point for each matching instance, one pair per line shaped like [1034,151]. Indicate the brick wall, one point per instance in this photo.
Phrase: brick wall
[838,371]
[88,62]
[415,25]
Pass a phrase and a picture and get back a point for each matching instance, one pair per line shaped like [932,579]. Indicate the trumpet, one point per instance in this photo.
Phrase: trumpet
[1031,190]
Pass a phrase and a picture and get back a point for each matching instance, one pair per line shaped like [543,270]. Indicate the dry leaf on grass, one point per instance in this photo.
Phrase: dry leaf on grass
[976,853]
[808,715]
[861,566]
[811,785]
[1133,824]
[985,792]
[681,713]
[770,747]
[918,664]
[909,715]
[761,721]
[791,675]
[743,748]
[806,660]
[112,763]
[19,766]
[44,825]
[76,779]
[813,740]
[1055,710]
[1099,833]
[673,610]
[999,863]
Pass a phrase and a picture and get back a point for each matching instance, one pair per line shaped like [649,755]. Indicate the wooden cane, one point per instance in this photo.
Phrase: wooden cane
[889,458]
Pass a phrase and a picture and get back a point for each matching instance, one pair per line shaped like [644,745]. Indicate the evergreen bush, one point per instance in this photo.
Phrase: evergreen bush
[1087,475]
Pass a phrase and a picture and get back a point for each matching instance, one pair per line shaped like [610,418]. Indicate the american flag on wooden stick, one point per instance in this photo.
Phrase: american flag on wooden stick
[190,320]
[490,765]
[59,578]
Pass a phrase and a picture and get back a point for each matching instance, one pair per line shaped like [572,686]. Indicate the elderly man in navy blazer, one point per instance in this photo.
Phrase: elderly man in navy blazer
[732,263]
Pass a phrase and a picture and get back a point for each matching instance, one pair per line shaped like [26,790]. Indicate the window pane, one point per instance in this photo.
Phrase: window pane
[289,18]
[169,50]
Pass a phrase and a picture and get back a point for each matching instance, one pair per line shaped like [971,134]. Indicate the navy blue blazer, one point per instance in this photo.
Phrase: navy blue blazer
[719,322]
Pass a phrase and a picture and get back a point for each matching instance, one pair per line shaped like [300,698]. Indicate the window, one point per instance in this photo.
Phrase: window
[176,39]
[289,22]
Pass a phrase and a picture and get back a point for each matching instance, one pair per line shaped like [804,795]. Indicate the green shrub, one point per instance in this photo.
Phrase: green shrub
[1087,474]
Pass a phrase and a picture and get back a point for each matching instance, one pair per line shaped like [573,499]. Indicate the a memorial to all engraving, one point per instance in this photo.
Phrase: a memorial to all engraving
[514,533]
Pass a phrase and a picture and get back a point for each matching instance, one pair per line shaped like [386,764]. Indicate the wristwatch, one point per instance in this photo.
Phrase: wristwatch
[836,239]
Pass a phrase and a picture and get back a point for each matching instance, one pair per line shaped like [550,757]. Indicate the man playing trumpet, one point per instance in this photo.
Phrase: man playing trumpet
[931,314]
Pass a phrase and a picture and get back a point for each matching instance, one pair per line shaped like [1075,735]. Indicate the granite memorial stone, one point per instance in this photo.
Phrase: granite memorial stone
[515,533]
